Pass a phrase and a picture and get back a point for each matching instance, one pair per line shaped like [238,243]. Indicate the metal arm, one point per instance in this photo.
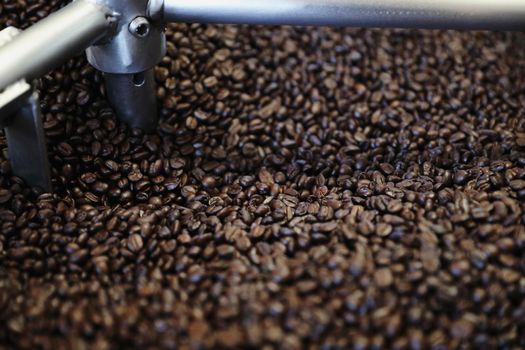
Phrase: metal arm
[27,55]
[53,40]
[438,14]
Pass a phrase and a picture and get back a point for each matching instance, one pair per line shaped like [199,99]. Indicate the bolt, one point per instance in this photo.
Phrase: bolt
[139,27]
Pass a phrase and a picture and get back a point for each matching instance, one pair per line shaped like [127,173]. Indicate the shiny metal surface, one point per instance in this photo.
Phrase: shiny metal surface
[134,99]
[50,42]
[26,145]
[12,99]
[127,52]
[442,14]
[137,46]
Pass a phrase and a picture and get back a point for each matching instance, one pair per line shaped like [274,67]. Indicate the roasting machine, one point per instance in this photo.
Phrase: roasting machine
[125,40]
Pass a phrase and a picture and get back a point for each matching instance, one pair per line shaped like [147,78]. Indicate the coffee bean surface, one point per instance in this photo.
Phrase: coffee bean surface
[305,188]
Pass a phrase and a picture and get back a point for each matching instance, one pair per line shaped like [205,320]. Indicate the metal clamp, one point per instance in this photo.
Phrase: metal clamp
[127,61]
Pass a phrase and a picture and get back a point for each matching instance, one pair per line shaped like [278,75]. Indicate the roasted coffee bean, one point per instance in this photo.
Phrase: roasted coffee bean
[135,243]
[209,182]
[383,229]
[100,187]
[64,149]
[517,185]
[79,256]
[5,196]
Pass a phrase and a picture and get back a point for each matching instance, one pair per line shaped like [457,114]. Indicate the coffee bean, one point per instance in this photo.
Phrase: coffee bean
[325,227]
[383,277]
[460,177]
[88,178]
[79,256]
[5,196]
[462,329]
[383,229]
[65,149]
[100,187]
[210,81]
[20,253]
[222,54]
[112,165]
[265,177]
[192,123]
[209,182]
[135,243]
[135,176]
[225,251]
[517,185]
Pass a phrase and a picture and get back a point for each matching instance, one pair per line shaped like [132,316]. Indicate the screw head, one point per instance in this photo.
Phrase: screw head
[140,27]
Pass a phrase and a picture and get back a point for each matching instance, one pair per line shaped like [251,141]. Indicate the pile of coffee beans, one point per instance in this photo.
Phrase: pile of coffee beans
[305,188]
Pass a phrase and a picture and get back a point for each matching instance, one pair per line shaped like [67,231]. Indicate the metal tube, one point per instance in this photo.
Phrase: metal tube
[53,40]
[438,14]
[133,96]
[26,145]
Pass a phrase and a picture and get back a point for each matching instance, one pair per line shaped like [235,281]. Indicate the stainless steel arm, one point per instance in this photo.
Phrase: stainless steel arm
[439,14]
[53,40]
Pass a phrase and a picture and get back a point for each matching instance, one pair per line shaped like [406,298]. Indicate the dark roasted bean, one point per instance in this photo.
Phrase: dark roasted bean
[135,243]
[383,277]
[209,182]
[5,196]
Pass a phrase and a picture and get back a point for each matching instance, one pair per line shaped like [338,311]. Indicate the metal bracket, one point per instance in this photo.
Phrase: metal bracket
[127,61]
[138,44]
[21,118]
[13,98]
